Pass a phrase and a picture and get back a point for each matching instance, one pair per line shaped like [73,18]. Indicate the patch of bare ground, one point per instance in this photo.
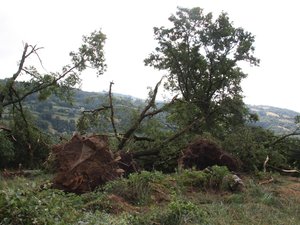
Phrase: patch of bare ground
[290,189]
[119,205]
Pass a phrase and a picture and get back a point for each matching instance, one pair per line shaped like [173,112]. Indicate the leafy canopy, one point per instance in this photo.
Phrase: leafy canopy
[201,57]
[29,146]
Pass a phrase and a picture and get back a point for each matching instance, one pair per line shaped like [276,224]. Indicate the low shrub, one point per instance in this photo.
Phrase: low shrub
[252,145]
[137,188]
[38,207]
[177,212]
[209,179]
[6,150]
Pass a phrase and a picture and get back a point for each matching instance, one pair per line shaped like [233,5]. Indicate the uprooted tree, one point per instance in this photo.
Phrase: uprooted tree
[130,134]
[201,57]
[150,149]
[13,92]
[85,162]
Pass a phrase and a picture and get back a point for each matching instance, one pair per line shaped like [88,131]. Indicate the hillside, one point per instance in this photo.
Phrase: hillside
[276,119]
[57,116]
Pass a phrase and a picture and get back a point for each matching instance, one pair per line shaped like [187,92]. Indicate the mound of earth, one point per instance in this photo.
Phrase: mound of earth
[84,163]
[203,153]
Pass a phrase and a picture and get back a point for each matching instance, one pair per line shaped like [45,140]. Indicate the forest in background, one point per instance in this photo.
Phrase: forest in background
[60,117]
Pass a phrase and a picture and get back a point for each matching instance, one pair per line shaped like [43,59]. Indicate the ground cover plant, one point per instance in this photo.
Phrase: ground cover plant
[184,197]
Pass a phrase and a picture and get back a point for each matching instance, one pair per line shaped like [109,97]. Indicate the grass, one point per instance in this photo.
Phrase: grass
[186,197]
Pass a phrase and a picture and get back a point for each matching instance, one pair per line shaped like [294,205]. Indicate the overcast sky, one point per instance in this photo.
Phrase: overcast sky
[58,26]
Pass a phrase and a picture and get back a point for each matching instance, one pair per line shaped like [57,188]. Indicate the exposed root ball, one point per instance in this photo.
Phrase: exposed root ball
[84,163]
[203,153]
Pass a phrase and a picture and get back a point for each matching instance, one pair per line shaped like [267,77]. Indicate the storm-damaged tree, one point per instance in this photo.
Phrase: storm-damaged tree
[13,92]
[201,56]
[124,133]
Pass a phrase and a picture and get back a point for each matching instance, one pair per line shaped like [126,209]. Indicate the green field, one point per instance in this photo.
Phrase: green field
[186,197]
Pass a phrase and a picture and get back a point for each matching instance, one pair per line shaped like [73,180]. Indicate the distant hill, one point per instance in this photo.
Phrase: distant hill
[56,116]
[279,120]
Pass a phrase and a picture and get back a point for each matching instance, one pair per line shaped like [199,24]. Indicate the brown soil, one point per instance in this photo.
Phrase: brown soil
[119,205]
[203,153]
[290,190]
[127,163]
[84,163]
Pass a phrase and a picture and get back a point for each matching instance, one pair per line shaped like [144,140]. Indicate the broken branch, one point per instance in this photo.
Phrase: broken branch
[267,181]
[112,113]
[96,110]
[142,116]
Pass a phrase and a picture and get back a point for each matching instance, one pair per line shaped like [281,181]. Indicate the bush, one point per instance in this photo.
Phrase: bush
[6,150]
[251,146]
[137,189]
[192,178]
[209,179]
[31,146]
[38,207]
[177,212]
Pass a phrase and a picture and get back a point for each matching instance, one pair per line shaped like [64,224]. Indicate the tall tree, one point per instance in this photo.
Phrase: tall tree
[201,57]
[90,54]
[24,143]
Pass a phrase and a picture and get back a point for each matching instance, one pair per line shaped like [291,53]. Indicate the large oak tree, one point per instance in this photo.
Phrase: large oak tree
[201,56]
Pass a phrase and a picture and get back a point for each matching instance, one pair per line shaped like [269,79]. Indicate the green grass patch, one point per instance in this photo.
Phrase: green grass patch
[185,197]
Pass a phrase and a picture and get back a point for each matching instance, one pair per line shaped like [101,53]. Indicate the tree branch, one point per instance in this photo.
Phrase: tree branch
[156,151]
[142,116]
[136,138]
[10,82]
[112,113]
[40,86]
[294,133]
[96,110]
[20,109]
[185,129]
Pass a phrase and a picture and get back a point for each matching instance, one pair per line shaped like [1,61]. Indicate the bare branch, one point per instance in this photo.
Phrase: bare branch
[5,128]
[20,109]
[153,113]
[266,181]
[38,56]
[10,82]
[23,58]
[40,87]
[136,138]
[294,133]
[112,112]
[156,151]
[182,131]
[142,116]
[96,110]
[265,164]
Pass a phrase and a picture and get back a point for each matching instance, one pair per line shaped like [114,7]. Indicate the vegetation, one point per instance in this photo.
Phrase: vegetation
[56,116]
[29,147]
[202,57]
[186,197]
[280,121]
